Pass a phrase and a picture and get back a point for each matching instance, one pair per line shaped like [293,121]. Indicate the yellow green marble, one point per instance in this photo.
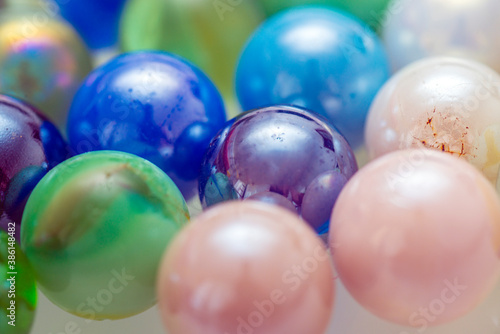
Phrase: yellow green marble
[24,297]
[95,228]
[209,33]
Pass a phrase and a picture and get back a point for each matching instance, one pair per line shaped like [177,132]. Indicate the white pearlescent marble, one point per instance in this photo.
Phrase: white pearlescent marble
[447,104]
[463,28]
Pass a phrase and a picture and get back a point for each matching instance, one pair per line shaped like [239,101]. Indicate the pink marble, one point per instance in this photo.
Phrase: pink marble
[415,237]
[246,267]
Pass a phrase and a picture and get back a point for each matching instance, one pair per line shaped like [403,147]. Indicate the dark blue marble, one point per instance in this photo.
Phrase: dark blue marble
[151,104]
[97,21]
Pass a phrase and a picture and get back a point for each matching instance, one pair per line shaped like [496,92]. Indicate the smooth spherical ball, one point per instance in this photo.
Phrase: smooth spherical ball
[281,154]
[415,237]
[17,284]
[459,28]
[447,104]
[246,267]
[370,11]
[97,21]
[94,230]
[151,104]
[30,145]
[42,60]
[210,33]
[316,58]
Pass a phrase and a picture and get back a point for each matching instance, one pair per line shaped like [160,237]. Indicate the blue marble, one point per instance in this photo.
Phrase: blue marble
[151,104]
[318,58]
[97,21]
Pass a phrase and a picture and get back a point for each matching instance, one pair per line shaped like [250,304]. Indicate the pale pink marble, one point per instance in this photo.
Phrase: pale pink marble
[446,104]
[246,268]
[407,227]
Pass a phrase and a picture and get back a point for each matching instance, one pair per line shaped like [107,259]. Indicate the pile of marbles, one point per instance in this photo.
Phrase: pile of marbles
[99,163]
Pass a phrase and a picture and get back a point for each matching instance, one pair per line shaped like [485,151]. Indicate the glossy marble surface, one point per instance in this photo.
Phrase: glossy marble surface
[446,104]
[316,58]
[425,250]
[30,145]
[95,229]
[151,104]
[42,60]
[226,292]
[283,155]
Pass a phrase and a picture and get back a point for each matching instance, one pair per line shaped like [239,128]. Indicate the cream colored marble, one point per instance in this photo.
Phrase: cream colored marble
[446,104]
[463,28]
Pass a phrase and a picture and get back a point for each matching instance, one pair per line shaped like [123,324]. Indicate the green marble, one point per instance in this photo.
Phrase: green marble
[24,296]
[370,11]
[209,33]
[95,229]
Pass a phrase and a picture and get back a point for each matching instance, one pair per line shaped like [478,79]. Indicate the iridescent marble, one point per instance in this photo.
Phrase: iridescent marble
[23,292]
[283,155]
[459,28]
[42,60]
[317,58]
[94,230]
[446,104]
[97,21]
[246,267]
[30,146]
[152,104]
[209,33]
[415,238]
[371,11]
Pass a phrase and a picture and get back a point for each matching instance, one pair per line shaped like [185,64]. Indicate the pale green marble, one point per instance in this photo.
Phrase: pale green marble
[24,297]
[95,229]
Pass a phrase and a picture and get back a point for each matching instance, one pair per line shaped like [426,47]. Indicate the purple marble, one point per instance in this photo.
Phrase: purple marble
[283,150]
[30,145]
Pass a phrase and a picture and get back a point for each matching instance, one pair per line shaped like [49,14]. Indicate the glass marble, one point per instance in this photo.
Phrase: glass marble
[94,230]
[97,21]
[283,155]
[151,104]
[266,272]
[371,11]
[458,28]
[209,33]
[416,234]
[316,58]
[24,294]
[30,145]
[42,60]
[445,104]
